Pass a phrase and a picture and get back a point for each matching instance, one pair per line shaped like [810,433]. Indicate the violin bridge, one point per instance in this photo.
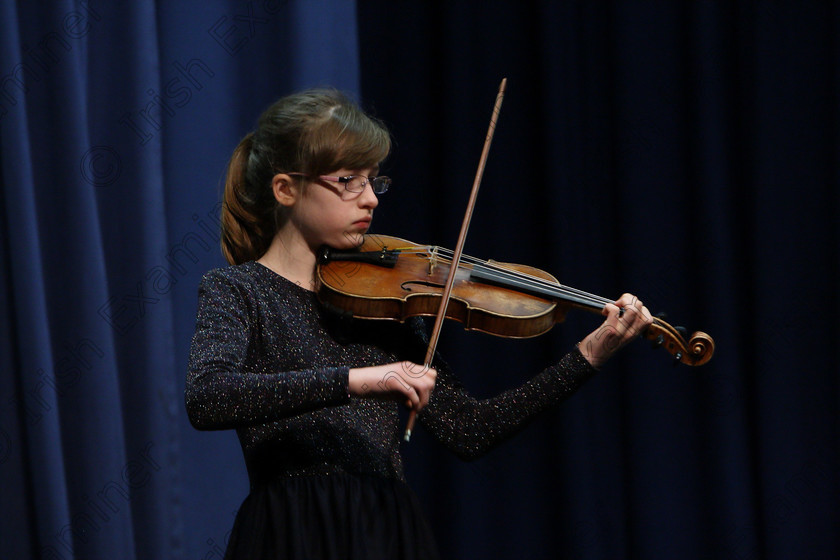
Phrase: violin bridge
[432,259]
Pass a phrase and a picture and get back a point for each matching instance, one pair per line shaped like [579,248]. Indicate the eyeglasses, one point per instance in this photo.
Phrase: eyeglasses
[356,183]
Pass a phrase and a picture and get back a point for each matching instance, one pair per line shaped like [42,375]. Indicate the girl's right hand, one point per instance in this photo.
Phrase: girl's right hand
[401,379]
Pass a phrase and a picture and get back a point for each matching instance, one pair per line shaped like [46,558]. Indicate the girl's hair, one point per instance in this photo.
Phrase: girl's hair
[313,132]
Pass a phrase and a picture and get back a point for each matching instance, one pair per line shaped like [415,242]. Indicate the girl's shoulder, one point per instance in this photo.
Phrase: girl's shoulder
[251,278]
[240,275]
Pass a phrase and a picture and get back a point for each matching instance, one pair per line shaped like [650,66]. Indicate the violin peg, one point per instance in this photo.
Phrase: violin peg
[677,358]
[661,315]
[658,341]
[682,330]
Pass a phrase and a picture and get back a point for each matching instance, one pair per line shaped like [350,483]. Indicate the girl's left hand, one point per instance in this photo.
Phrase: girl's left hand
[625,320]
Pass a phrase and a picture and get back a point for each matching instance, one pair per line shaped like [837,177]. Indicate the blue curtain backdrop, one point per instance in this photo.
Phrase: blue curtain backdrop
[687,152]
[117,122]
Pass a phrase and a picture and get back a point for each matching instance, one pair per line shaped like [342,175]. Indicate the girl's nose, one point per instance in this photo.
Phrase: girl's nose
[368,198]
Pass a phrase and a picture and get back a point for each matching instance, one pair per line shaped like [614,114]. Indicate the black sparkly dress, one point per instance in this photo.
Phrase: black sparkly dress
[324,467]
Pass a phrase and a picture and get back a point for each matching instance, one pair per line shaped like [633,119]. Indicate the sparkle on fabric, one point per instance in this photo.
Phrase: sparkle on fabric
[269,361]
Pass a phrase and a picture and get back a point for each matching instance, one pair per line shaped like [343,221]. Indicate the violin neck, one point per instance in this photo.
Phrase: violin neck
[536,286]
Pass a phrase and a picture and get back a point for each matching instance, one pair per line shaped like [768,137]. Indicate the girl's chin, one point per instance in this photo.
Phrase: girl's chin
[350,240]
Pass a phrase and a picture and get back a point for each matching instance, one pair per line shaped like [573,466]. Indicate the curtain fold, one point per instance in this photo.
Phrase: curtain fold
[685,153]
[116,122]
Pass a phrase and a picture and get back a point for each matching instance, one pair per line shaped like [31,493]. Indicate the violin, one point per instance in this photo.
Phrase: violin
[389,278]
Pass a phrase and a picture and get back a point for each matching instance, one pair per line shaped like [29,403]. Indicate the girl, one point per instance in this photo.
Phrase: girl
[314,398]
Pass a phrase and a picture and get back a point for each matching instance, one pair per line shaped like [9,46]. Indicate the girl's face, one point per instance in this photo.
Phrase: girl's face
[327,214]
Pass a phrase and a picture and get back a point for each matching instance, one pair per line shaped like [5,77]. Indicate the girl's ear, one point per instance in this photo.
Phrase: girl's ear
[285,189]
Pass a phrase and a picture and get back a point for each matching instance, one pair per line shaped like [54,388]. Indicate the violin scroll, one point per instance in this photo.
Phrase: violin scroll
[695,351]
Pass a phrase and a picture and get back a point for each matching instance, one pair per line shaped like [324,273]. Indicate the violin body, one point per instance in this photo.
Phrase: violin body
[414,285]
[388,278]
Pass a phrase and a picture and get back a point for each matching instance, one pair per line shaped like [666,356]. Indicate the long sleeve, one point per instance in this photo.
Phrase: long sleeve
[470,427]
[228,385]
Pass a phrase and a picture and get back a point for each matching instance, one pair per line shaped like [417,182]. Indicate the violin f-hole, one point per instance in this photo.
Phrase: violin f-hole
[405,285]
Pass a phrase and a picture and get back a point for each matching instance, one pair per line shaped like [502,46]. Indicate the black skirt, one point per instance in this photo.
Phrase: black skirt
[341,516]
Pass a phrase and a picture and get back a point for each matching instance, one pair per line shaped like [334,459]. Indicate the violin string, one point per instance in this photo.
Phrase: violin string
[528,280]
[517,277]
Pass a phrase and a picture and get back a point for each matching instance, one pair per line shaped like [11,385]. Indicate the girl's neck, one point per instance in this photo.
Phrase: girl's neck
[292,259]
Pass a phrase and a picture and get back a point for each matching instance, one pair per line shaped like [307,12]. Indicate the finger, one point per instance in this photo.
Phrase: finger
[423,388]
[414,370]
[610,309]
[635,320]
[643,315]
[394,383]
[629,300]
[424,400]
[414,401]
[425,393]
[617,316]
[631,304]
[622,324]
